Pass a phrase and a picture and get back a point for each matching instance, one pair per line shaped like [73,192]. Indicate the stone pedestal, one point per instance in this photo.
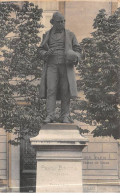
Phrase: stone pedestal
[59,158]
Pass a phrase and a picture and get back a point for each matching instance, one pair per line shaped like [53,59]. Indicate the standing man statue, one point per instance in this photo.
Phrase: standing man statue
[60,51]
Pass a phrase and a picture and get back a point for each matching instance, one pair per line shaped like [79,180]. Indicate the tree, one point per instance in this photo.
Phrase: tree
[19,32]
[99,71]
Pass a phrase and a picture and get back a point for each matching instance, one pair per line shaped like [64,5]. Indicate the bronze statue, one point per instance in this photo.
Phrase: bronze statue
[60,51]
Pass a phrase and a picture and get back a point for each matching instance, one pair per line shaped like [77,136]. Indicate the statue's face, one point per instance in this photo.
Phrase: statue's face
[59,22]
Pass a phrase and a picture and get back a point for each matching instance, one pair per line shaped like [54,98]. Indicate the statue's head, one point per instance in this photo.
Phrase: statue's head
[58,21]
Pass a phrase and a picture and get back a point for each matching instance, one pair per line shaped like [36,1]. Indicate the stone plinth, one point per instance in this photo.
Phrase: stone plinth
[59,158]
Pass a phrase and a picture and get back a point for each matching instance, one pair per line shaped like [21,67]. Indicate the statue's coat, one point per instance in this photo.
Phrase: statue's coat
[71,43]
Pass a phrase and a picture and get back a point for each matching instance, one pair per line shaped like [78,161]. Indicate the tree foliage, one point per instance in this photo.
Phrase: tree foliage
[100,71]
[20,69]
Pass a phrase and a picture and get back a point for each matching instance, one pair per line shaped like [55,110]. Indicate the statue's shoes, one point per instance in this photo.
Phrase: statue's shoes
[48,120]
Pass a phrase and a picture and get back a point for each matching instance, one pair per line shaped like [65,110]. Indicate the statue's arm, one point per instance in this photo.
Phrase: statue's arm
[42,49]
[76,46]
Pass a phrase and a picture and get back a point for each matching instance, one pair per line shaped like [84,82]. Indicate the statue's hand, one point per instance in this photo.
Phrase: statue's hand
[72,62]
[49,53]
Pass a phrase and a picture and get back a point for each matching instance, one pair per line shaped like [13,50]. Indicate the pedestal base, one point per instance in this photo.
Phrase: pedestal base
[59,158]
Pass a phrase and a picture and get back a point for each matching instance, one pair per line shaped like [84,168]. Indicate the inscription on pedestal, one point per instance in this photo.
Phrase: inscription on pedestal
[59,175]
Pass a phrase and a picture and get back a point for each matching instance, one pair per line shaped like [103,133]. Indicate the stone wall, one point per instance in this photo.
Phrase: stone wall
[101,165]
[3,161]
[80,16]
[9,164]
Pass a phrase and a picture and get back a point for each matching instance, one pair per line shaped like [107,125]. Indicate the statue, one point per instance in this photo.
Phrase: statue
[60,51]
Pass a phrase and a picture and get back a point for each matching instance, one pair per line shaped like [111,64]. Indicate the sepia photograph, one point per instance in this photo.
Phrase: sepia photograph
[60,96]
